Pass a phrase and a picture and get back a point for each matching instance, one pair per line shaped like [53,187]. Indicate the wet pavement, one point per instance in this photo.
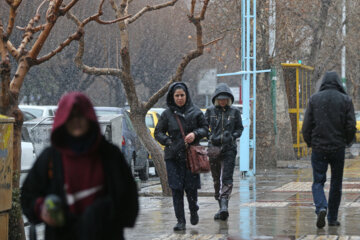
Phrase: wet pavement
[274,204]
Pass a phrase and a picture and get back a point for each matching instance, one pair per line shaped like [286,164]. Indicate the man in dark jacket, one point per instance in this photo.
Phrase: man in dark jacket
[90,177]
[168,133]
[225,127]
[329,126]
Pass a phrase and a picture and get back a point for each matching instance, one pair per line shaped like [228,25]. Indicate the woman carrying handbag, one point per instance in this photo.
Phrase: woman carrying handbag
[168,133]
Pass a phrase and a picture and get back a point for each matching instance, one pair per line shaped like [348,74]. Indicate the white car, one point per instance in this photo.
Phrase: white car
[39,111]
[27,155]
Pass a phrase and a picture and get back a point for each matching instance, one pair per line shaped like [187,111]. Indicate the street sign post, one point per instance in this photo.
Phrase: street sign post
[248,68]
[207,83]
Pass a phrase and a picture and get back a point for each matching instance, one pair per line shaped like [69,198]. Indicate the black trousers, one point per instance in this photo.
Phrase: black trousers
[320,162]
[222,170]
[178,201]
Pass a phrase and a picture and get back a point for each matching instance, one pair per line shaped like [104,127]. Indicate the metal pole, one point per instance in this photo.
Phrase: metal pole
[254,87]
[244,140]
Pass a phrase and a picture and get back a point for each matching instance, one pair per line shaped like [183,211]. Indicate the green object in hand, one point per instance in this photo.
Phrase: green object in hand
[54,208]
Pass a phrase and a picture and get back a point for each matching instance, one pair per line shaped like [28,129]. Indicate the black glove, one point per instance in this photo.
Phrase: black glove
[216,141]
[227,138]
[168,142]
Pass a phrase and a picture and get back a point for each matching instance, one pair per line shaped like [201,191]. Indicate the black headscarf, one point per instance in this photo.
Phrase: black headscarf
[170,97]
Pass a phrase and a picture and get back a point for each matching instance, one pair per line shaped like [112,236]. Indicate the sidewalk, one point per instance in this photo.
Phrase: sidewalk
[275,204]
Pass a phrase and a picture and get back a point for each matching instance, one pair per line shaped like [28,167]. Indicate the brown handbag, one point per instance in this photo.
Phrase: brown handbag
[196,156]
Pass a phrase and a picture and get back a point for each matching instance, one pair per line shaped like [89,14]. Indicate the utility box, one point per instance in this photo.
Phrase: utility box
[6,172]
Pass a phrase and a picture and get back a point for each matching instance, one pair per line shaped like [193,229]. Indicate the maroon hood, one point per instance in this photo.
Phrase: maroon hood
[66,104]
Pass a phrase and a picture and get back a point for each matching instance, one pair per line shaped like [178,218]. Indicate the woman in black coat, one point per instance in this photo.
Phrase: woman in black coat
[85,174]
[168,133]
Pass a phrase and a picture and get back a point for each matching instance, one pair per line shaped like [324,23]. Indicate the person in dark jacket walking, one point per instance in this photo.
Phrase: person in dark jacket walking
[168,133]
[329,126]
[90,177]
[225,127]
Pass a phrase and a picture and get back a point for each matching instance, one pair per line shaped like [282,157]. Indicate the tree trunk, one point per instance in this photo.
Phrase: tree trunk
[9,107]
[265,133]
[318,32]
[154,148]
[284,141]
[17,226]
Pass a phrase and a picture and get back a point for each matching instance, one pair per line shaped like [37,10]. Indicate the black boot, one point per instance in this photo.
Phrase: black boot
[180,226]
[194,218]
[224,214]
[217,215]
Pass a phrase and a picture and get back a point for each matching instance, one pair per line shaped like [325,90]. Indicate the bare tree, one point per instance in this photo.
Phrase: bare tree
[26,55]
[138,108]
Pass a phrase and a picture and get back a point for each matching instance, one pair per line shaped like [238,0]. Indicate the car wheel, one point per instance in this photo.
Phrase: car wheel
[144,173]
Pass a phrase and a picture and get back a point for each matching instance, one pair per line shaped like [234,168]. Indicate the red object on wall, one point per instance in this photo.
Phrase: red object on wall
[240,97]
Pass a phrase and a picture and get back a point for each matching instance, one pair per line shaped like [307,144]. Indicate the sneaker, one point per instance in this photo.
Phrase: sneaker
[320,223]
[334,223]
[194,218]
[179,226]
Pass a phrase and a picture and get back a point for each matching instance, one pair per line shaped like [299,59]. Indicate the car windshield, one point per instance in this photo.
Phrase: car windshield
[357,114]
[106,112]
[35,112]
[149,121]
[28,116]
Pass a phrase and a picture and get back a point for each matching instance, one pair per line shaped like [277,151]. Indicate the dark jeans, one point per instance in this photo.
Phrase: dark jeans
[222,170]
[178,201]
[320,162]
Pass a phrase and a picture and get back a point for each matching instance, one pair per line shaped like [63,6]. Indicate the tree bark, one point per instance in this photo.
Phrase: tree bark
[284,141]
[318,32]
[265,133]
[157,154]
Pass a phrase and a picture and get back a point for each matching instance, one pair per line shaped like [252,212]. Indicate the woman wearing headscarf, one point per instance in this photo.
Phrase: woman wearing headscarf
[226,126]
[168,133]
[81,186]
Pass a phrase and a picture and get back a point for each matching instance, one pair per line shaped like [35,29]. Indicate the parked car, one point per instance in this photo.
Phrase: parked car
[28,116]
[158,110]
[39,111]
[151,121]
[133,149]
[28,156]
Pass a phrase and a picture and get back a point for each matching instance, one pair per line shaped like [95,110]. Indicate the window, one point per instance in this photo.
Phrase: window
[149,121]
[128,122]
[35,112]
[357,115]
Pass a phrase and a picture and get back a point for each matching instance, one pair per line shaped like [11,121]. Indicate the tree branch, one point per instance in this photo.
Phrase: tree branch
[28,34]
[79,57]
[148,9]
[67,8]
[13,7]
[308,22]
[330,57]
[192,10]
[186,59]
[203,11]
[11,48]
[75,36]
[213,41]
